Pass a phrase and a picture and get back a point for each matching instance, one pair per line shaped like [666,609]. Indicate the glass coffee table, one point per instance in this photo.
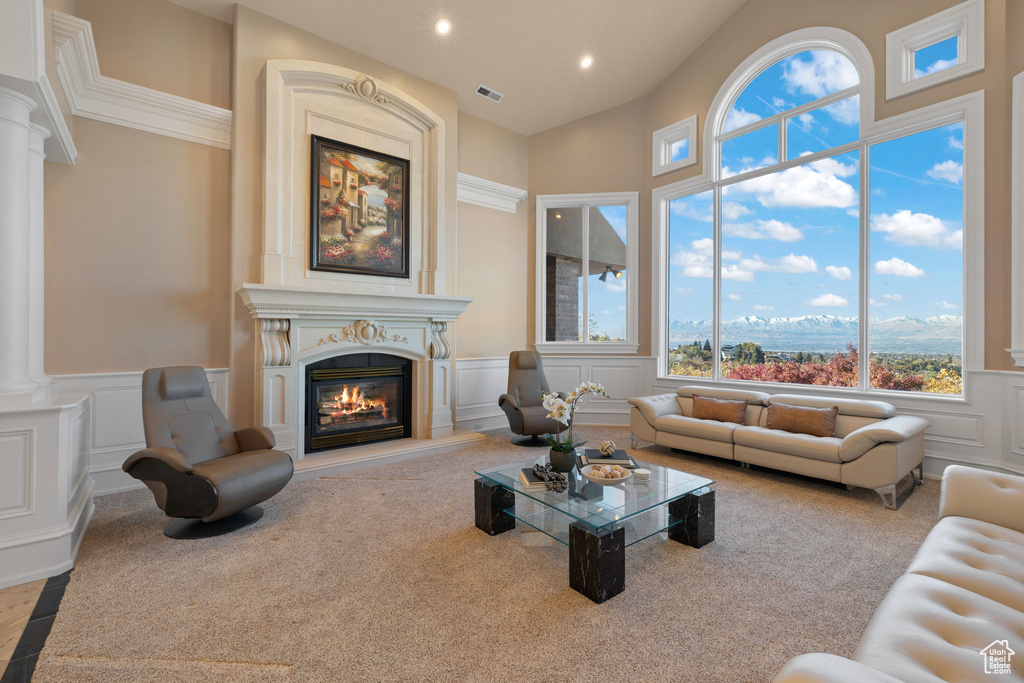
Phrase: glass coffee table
[599,522]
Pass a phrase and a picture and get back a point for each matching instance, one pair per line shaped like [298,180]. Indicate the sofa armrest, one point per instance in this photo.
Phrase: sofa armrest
[893,429]
[653,407]
[255,439]
[986,496]
[823,668]
[169,456]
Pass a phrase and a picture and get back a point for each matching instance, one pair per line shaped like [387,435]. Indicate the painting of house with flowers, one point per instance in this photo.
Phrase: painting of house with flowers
[358,217]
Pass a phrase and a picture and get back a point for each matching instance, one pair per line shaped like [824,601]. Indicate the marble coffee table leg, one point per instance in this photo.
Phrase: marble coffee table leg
[697,510]
[597,561]
[491,500]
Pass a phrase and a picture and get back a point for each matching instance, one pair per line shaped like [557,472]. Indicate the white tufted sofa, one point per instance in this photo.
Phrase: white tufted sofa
[963,591]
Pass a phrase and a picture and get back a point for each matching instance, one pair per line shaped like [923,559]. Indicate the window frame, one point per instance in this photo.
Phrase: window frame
[968,108]
[664,138]
[631,200]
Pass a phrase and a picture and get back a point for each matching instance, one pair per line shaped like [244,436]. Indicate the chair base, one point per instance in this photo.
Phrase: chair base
[196,528]
[530,442]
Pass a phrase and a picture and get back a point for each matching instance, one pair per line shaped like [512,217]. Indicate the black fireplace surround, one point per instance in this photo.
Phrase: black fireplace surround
[357,398]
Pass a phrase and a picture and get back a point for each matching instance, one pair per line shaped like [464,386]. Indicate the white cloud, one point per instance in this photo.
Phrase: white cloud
[937,65]
[845,111]
[956,143]
[806,121]
[684,291]
[764,230]
[839,272]
[829,300]
[739,117]
[824,73]
[687,209]
[917,230]
[945,305]
[898,267]
[787,264]
[780,103]
[606,312]
[894,297]
[762,307]
[735,297]
[876,303]
[733,210]
[950,171]
[815,185]
[699,262]
[734,272]
[615,286]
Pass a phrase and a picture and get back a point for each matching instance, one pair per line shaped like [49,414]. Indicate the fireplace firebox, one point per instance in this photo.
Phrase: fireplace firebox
[357,398]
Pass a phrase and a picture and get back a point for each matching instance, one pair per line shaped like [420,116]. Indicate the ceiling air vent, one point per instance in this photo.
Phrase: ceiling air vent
[484,91]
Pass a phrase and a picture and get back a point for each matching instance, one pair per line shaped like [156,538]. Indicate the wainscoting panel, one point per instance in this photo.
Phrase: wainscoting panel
[115,407]
[478,384]
[623,377]
[17,462]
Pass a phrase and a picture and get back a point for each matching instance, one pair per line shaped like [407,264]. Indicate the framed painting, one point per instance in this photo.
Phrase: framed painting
[360,208]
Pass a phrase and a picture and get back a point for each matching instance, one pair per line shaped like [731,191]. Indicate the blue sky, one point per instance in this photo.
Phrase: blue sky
[790,244]
[608,299]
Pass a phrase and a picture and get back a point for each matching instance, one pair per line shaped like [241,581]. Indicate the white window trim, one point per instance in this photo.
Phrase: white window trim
[1017,223]
[966,21]
[969,108]
[632,202]
[664,138]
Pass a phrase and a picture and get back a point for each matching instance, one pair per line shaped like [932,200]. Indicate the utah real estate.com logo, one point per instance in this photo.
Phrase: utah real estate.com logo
[997,657]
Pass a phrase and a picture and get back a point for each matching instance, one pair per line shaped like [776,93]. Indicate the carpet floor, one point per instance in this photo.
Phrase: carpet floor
[380,574]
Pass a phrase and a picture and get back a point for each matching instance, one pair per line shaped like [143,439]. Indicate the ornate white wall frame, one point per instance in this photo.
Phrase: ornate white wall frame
[1017,223]
[303,97]
[94,96]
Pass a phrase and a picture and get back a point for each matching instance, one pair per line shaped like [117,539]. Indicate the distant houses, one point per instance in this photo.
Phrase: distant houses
[342,188]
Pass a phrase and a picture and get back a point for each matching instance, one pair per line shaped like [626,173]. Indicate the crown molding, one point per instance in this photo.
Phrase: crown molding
[473,190]
[94,96]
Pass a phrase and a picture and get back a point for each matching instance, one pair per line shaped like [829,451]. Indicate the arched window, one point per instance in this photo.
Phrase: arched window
[816,233]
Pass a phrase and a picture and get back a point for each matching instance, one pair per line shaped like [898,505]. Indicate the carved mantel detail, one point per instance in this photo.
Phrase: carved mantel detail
[363,332]
[274,343]
[439,347]
[367,88]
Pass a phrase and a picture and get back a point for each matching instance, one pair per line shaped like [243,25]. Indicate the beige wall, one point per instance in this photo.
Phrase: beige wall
[496,322]
[136,247]
[137,231]
[561,160]
[258,38]
[163,46]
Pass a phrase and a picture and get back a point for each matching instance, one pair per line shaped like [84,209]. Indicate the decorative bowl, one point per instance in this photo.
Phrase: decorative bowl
[601,481]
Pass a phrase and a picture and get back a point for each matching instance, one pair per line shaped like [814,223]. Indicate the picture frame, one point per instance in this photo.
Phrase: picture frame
[359,212]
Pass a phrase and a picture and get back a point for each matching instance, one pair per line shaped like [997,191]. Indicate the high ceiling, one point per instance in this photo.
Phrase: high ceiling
[527,49]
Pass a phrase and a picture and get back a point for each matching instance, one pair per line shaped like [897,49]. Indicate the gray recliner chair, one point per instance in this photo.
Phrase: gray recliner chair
[522,403]
[197,466]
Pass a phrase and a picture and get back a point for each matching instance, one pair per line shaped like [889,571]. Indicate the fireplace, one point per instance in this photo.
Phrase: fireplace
[357,398]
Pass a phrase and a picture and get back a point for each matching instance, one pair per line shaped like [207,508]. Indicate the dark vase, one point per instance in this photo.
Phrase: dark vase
[562,461]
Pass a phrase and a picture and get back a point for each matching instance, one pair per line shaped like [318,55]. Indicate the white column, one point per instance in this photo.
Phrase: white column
[15,253]
[36,244]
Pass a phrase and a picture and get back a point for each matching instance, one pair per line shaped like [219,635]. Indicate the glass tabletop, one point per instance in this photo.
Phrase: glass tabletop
[601,506]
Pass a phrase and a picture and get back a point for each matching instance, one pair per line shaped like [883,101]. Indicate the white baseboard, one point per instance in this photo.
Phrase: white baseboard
[116,412]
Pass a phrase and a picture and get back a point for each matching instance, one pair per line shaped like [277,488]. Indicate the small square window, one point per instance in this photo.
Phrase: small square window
[936,57]
[674,146]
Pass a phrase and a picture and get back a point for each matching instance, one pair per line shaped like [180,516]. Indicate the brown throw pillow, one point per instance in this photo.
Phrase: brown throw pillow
[800,420]
[723,410]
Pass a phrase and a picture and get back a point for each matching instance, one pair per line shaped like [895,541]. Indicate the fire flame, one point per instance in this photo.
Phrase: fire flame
[353,400]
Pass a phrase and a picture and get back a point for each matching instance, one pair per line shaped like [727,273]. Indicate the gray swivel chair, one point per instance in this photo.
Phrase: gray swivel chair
[522,403]
[198,467]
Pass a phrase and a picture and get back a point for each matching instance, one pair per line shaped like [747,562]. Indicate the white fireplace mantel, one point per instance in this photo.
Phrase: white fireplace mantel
[281,302]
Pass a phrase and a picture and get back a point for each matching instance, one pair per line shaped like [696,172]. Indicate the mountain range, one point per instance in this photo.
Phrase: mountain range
[828,333]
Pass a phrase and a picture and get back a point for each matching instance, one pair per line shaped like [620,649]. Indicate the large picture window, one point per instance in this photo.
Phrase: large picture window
[586,265]
[812,241]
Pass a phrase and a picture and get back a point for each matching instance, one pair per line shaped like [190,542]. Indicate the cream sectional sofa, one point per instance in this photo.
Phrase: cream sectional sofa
[873,447]
[963,592]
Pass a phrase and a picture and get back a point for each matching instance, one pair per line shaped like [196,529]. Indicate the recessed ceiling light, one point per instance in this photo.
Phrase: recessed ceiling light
[558,215]
[443,26]
[586,62]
